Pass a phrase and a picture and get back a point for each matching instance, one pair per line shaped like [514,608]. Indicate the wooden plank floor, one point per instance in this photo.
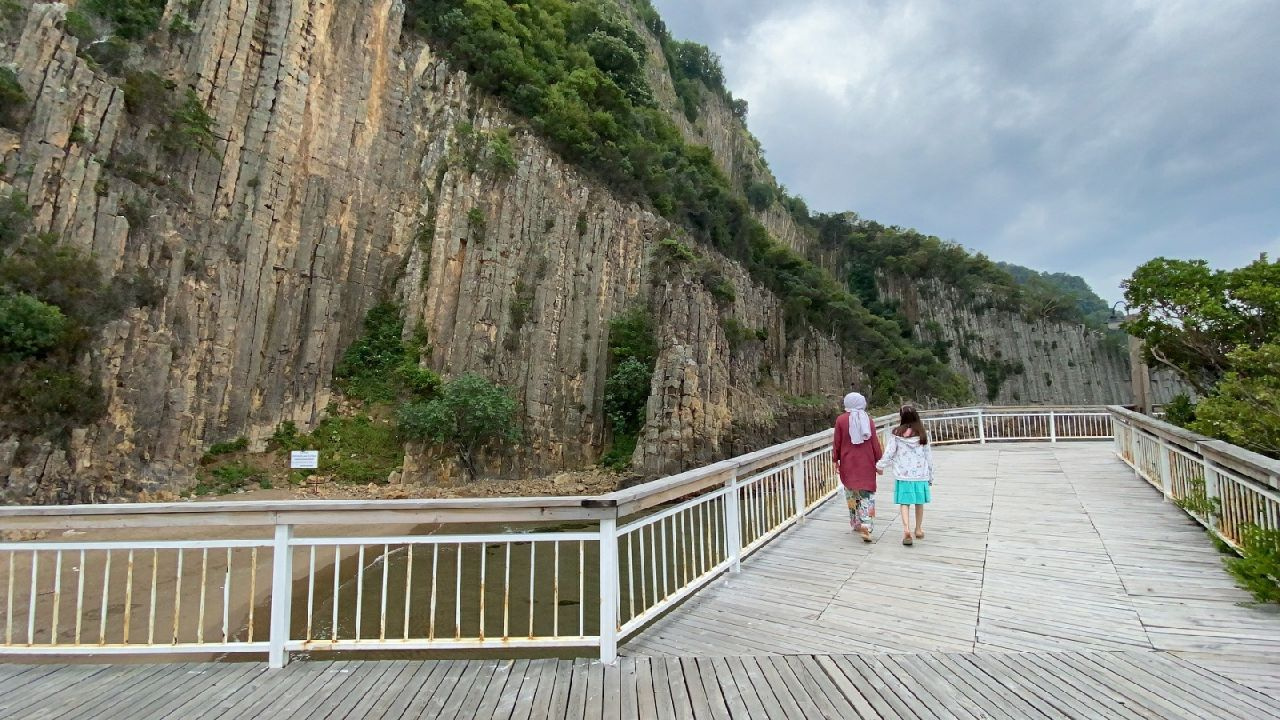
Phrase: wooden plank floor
[921,686]
[1032,547]
[1052,583]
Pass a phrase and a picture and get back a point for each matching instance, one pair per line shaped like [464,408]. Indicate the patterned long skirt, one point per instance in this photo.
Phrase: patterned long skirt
[862,508]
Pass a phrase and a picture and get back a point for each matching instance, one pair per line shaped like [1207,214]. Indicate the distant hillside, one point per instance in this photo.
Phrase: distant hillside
[1092,308]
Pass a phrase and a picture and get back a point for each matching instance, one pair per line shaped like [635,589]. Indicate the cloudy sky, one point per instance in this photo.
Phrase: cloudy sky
[1084,136]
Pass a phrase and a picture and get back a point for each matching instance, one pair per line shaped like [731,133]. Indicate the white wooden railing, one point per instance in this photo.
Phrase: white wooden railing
[299,576]
[1227,489]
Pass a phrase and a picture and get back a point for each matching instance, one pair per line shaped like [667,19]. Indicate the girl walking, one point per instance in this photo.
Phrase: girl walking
[912,459]
[855,451]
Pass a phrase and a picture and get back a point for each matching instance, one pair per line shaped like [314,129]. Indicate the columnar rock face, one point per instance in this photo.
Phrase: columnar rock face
[1008,359]
[350,166]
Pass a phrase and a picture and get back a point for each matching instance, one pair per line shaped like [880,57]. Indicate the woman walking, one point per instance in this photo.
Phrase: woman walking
[912,459]
[855,451]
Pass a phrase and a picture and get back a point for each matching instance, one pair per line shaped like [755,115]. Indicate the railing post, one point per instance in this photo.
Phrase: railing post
[1053,427]
[281,595]
[609,590]
[1166,474]
[1210,490]
[732,524]
[982,429]
[798,481]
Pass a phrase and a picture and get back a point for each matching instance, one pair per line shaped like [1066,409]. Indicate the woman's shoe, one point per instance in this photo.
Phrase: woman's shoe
[866,536]
[906,539]
[919,534]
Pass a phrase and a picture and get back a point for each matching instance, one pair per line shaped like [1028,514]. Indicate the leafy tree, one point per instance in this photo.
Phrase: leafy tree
[1244,407]
[1220,330]
[1191,317]
[28,327]
[469,414]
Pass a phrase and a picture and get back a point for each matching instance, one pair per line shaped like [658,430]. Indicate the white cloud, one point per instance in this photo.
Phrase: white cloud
[1083,136]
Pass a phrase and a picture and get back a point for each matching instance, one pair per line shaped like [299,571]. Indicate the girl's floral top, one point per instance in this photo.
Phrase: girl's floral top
[910,459]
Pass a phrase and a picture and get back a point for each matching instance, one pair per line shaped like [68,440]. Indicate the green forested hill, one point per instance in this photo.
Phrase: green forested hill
[576,71]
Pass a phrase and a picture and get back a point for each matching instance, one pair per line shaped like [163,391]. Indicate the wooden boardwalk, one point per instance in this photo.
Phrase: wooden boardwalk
[1052,584]
[922,686]
[1028,548]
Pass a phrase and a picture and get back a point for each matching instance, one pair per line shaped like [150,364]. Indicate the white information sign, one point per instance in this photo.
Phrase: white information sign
[304,459]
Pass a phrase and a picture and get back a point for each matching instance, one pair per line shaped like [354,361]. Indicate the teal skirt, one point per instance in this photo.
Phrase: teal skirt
[911,492]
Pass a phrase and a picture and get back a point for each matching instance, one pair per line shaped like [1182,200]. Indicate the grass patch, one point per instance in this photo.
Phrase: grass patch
[360,449]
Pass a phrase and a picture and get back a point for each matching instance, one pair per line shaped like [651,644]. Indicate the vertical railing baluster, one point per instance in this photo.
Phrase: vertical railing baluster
[253,588]
[435,577]
[582,588]
[8,613]
[653,560]
[128,597]
[204,578]
[661,525]
[457,596]
[57,597]
[533,563]
[177,594]
[359,590]
[555,590]
[79,593]
[226,601]
[382,608]
[31,603]
[506,595]
[408,583]
[155,577]
[484,552]
[106,586]
[311,592]
[337,592]
[631,579]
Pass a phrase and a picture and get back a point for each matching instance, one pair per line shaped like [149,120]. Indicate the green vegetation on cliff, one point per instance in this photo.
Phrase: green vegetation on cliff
[576,70]
[53,300]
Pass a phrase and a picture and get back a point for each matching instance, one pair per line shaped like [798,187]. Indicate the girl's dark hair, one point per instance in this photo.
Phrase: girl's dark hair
[909,419]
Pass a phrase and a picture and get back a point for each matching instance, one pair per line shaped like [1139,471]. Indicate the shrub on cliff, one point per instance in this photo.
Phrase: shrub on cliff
[28,327]
[133,19]
[13,100]
[381,366]
[469,415]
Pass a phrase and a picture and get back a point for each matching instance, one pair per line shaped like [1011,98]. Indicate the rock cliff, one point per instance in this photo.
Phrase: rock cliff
[349,165]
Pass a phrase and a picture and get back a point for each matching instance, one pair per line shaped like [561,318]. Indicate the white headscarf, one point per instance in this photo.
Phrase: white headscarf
[859,420]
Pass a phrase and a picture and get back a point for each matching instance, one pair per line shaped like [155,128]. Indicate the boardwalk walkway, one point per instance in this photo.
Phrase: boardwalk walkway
[1052,584]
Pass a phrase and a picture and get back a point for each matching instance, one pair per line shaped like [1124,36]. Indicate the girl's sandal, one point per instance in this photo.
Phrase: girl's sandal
[866,536]
[906,539]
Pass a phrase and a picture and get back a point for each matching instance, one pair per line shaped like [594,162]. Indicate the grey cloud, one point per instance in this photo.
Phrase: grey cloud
[1079,136]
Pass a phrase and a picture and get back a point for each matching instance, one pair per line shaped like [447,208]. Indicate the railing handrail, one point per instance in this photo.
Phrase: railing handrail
[1253,466]
[619,503]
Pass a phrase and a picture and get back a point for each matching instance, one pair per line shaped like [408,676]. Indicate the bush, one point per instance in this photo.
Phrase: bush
[502,158]
[28,327]
[1180,411]
[51,399]
[361,449]
[469,415]
[626,392]
[133,19]
[380,366]
[77,25]
[13,100]
[240,444]
[111,55]
[15,219]
[1258,567]
[228,479]
[189,127]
